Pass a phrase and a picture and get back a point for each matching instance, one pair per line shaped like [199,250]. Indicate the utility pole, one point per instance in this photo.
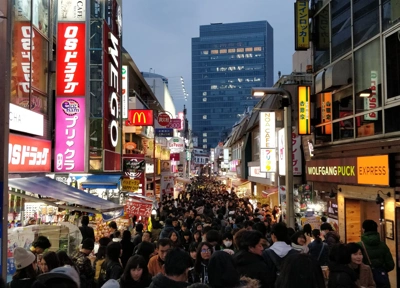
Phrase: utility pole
[5,81]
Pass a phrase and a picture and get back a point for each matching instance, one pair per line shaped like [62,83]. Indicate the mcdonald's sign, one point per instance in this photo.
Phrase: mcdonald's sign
[140,118]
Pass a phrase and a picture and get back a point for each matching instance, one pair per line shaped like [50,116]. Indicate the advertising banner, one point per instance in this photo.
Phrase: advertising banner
[25,120]
[137,208]
[26,154]
[304,110]
[71,10]
[167,184]
[134,167]
[302,28]
[71,60]
[130,185]
[175,124]
[326,111]
[268,160]
[70,135]
[125,91]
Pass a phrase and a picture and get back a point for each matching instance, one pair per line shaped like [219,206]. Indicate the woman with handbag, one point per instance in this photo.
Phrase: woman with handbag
[363,272]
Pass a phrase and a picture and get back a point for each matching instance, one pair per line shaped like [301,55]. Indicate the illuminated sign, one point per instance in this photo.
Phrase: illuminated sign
[302,28]
[71,59]
[125,91]
[304,110]
[267,130]
[296,153]
[143,117]
[181,116]
[113,78]
[371,102]
[373,170]
[70,135]
[71,10]
[369,170]
[256,172]
[130,185]
[26,154]
[267,160]
[25,120]
[326,111]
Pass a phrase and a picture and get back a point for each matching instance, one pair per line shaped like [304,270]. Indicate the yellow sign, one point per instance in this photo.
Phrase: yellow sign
[130,185]
[304,110]
[373,170]
[302,27]
[326,111]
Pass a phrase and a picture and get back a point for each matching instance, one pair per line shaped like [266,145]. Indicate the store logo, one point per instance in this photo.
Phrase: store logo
[70,107]
[137,118]
[113,80]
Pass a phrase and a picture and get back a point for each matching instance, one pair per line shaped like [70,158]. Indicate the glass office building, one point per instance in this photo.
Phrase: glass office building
[227,61]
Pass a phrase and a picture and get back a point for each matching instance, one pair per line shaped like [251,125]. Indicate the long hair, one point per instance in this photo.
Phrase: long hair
[51,260]
[134,262]
[199,259]
[304,271]
[27,272]
[113,251]
[177,243]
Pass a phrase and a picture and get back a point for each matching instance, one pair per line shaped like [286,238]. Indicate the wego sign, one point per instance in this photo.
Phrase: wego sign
[140,117]
[71,60]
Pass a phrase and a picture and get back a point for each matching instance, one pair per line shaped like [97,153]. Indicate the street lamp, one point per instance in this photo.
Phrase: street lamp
[287,110]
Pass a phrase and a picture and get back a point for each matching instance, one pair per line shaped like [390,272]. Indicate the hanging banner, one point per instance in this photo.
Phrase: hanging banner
[304,110]
[135,207]
[267,130]
[371,102]
[167,184]
[302,28]
[326,111]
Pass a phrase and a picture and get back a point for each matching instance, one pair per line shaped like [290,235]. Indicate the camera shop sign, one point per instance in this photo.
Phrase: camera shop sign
[369,170]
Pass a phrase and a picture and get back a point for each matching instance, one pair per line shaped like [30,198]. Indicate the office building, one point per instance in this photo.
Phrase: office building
[227,61]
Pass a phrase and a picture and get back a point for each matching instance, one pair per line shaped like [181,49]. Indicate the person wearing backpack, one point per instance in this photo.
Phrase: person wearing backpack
[111,267]
[275,256]
[376,254]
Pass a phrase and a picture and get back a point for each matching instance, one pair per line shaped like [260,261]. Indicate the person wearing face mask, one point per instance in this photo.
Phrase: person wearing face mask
[227,243]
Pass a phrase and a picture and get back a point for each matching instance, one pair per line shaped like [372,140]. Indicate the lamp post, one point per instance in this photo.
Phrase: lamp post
[287,110]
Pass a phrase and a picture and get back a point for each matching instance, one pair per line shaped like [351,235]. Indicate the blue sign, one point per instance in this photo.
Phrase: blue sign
[164,132]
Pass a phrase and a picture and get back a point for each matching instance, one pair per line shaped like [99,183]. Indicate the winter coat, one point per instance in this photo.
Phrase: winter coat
[341,276]
[127,251]
[130,283]
[161,281]
[252,265]
[315,250]
[155,265]
[222,272]
[365,277]
[166,230]
[87,232]
[281,250]
[21,283]
[332,238]
[378,252]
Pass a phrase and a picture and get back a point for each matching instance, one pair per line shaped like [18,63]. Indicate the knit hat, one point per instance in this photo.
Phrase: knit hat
[23,258]
[112,283]
[65,272]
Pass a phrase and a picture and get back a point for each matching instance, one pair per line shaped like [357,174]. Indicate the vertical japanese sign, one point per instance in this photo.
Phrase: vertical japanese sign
[182,118]
[267,130]
[302,28]
[296,153]
[125,89]
[304,110]
[268,160]
[70,140]
[372,101]
[326,111]
[322,27]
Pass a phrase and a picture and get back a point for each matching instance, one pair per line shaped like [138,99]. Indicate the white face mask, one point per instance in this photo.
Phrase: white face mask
[228,244]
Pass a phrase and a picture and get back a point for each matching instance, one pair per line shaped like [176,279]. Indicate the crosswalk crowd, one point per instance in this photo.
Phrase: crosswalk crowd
[208,237]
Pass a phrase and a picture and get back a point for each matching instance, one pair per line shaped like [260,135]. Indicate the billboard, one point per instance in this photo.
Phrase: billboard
[26,154]
[302,27]
[71,60]
[140,117]
[69,153]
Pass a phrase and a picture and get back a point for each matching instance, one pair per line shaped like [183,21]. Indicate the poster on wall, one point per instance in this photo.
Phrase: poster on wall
[134,168]
[167,184]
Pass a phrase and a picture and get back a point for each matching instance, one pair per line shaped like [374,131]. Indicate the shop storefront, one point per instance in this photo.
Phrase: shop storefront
[265,189]
[360,188]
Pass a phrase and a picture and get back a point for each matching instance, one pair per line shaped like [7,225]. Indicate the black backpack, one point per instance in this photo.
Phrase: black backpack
[278,261]
[105,272]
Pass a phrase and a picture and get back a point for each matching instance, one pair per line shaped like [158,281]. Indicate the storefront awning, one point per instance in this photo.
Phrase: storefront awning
[105,181]
[48,187]
[183,180]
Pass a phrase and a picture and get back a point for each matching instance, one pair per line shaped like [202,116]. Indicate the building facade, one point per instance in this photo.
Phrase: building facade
[356,102]
[227,61]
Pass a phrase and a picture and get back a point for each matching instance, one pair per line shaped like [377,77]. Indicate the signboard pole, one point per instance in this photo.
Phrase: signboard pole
[5,79]
[289,166]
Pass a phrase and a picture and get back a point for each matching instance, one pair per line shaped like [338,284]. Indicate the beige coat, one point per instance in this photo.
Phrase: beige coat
[366,278]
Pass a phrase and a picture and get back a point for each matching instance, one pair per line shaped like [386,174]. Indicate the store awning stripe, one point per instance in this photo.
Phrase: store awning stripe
[102,181]
[48,187]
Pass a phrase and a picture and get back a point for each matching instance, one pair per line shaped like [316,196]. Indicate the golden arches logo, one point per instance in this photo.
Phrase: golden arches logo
[138,116]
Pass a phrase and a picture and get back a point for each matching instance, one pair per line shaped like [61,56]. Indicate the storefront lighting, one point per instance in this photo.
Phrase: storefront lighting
[154,212]
[365,93]
[379,200]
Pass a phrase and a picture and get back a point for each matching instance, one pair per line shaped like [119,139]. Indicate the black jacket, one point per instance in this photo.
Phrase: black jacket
[21,283]
[87,232]
[161,281]
[127,251]
[341,276]
[143,283]
[253,266]
[316,251]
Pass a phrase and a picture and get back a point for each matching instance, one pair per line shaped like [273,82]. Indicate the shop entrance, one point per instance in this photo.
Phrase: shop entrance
[356,211]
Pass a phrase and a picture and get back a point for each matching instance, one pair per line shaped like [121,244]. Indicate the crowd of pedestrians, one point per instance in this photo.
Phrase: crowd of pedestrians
[208,237]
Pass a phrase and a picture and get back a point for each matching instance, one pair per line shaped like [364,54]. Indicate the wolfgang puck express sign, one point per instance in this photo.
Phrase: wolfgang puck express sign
[371,170]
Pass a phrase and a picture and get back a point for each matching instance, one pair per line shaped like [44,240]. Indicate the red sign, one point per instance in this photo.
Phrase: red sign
[175,124]
[163,119]
[71,60]
[181,117]
[135,207]
[26,154]
[140,118]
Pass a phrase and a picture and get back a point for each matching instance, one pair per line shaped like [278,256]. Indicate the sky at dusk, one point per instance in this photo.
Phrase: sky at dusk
[158,33]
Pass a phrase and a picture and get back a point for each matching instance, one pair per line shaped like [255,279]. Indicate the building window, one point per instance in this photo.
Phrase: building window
[204,146]
[341,28]
[204,134]
[204,93]
[392,44]
[240,50]
[257,48]
[205,140]
[368,76]
[213,87]
[214,51]
[249,49]
[392,123]
[205,52]
[249,55]
[370,124]
[365,20]
[231,50]
[204,117]
[222,51]
[204,99]
[240,55]
[343,103]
